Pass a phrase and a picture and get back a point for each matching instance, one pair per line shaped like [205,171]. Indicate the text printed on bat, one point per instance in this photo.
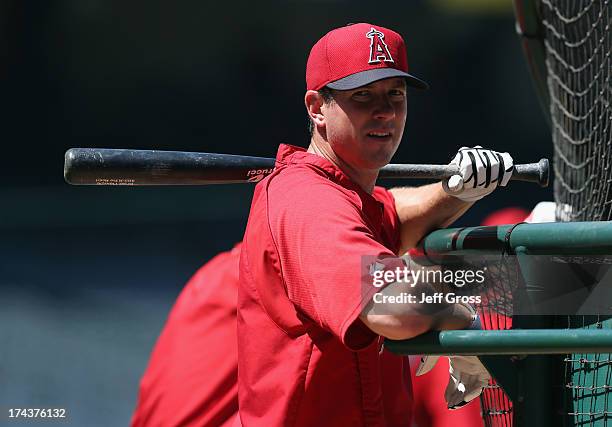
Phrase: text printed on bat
[256,175]
[115,181]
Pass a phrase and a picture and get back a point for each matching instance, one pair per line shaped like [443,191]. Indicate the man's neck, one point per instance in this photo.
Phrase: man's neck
[366,179]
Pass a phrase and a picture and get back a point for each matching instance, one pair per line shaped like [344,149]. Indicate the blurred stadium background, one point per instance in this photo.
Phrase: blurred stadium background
[88,274]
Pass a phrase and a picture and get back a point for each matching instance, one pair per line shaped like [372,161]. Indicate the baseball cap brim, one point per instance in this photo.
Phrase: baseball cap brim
[369,76]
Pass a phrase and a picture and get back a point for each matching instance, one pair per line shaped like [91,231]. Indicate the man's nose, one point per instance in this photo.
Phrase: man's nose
[384,109]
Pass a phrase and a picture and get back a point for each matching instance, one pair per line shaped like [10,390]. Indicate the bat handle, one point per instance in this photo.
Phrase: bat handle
[528,172]
[533,172]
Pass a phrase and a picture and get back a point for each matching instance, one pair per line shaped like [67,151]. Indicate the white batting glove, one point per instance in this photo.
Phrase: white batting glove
[481,172]
[468,377]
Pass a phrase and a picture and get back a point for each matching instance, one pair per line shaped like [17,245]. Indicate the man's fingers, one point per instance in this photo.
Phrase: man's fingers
[455,183]
[426,365]
[508,166]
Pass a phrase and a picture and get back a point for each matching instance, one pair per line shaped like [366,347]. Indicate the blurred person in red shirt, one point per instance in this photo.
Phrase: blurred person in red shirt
[192,375]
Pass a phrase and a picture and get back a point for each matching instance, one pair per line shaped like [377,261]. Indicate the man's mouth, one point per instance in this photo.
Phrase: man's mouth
[379,134]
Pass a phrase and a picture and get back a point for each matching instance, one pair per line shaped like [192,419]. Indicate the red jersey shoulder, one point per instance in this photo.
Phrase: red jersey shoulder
[311,189]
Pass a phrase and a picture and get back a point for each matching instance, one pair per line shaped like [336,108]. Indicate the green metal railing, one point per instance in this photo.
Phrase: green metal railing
[568,238]
[521,360]
[512,342]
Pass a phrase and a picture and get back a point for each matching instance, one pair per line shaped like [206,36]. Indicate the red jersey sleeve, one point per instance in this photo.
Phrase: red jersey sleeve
[322,231]
[390,222]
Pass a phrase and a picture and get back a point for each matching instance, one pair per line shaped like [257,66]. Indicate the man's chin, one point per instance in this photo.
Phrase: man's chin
[378,163]
[380,159]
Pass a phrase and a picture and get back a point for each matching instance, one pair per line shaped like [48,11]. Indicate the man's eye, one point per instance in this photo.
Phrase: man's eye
[361,94]
[397,93]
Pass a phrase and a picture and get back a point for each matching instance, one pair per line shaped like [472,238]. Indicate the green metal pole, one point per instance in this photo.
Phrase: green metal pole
[592,238]
[511,342]
[534,404]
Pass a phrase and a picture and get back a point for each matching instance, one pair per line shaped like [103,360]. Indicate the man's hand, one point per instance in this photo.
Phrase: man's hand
[468,377]
[481,171]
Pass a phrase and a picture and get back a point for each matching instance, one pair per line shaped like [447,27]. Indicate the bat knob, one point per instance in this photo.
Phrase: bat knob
[544,172]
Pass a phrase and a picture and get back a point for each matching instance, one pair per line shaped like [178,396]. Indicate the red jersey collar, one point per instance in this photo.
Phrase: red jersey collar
[290,154]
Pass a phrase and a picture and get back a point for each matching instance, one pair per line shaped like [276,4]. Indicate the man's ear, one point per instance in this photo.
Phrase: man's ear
[314,101]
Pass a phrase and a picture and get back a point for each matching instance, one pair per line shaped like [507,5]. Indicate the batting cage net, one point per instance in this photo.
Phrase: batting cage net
[568,45]
[496,314]
[578,45]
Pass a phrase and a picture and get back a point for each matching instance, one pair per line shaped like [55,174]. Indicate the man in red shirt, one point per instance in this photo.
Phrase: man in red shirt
[191,378]
[310,333]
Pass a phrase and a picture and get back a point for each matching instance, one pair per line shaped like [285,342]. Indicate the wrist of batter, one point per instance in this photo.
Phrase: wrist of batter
[456,316]
[475,318]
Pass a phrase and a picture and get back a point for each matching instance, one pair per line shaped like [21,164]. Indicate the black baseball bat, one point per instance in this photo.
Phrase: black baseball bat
[101,166]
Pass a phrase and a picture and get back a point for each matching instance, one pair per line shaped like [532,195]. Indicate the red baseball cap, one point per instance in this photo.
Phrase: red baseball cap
[356,55]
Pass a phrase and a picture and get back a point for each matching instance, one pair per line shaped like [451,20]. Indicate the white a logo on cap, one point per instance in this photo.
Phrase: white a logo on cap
[378,48]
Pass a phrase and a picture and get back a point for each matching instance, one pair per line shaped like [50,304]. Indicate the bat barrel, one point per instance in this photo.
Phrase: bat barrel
[87,166]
